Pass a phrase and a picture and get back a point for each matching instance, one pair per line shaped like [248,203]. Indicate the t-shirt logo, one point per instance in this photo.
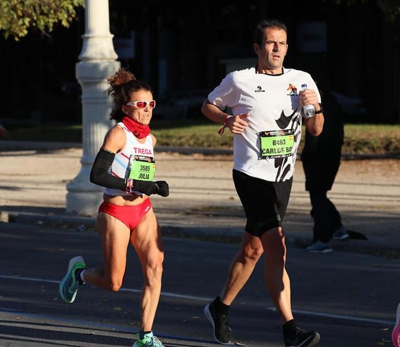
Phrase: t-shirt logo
[292,89]
[259,90]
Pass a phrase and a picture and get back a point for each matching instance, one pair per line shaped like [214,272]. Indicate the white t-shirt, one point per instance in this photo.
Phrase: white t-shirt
[267,148]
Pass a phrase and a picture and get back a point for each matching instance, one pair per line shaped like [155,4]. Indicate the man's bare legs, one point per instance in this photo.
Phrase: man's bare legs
[272,243]
[275,274]
[242,267]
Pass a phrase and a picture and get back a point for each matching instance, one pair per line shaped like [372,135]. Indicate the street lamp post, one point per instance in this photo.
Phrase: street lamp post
[97,63]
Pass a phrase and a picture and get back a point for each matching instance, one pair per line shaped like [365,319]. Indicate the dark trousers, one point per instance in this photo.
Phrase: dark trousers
[319,180]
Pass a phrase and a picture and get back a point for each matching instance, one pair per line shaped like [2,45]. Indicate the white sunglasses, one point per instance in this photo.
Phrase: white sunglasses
[142,103]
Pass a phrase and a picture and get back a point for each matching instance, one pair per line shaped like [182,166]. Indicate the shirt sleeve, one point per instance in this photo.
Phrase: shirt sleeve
[223,95]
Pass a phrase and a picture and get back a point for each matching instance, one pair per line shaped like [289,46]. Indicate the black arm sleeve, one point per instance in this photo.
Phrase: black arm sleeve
[99,174]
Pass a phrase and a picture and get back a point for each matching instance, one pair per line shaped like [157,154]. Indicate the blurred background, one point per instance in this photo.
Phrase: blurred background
[185,51]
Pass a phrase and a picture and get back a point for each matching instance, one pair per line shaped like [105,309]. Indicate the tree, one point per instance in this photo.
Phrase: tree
[18,17]
[390,8]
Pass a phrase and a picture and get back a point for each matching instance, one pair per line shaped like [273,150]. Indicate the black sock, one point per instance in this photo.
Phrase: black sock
[289,327]
[221,307]
[143,333]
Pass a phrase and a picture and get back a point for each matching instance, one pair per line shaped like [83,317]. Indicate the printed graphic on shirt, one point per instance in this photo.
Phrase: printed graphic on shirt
[284,121]
[259,89]
[292,89]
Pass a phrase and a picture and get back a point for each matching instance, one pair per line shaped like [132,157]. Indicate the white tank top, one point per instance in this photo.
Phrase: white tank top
[121,164]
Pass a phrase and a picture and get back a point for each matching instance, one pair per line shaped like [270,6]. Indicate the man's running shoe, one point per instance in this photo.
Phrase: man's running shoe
[341,234]
[148,341]
[301,338]
[396,329]
[221,330]
[70,284]
[320,247]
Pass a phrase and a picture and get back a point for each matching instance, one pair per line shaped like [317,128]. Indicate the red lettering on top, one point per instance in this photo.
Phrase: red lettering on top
[143,151]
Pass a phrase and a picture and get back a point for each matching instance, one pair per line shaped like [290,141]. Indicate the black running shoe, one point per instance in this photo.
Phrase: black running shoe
[301,338]
[221,329]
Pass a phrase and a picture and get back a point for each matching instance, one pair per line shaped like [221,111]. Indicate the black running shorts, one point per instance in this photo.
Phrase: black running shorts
[264,202]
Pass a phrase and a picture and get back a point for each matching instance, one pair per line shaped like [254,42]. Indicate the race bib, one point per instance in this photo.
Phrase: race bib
[276,143]
[142,168]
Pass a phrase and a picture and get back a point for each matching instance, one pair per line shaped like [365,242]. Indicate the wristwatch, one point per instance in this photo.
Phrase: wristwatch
[321,109]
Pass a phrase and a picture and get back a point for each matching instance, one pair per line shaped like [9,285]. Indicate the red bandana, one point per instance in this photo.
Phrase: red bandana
[139,130]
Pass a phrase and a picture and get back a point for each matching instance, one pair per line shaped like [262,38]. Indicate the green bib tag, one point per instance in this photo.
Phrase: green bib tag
[142,168]
[276,144]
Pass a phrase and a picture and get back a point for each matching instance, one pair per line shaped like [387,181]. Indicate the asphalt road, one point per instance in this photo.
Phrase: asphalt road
[350,295]
[350,298]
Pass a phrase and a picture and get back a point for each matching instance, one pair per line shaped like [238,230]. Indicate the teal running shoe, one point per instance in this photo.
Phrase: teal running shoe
[148,341]
[70,284]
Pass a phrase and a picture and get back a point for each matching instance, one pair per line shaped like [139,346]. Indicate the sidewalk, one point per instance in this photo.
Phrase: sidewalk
[202,201]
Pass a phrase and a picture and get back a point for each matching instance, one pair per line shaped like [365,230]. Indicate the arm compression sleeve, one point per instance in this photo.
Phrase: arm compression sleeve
[99,174]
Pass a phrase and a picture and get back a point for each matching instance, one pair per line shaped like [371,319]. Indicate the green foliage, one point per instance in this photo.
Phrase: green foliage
[18,17]
[46,132]
[190,134]
[359,138]
[390,8]
[371,139]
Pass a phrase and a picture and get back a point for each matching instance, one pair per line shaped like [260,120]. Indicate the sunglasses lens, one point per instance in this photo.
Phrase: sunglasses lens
[141,104]
[152,104]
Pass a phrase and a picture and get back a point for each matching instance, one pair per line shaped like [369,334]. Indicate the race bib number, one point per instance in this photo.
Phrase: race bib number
[276,143]
[142,168]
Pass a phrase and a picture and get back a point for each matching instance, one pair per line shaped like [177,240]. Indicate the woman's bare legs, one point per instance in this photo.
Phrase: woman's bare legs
[148,243]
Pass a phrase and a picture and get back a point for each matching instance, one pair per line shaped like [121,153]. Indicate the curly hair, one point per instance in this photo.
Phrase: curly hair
[122,84]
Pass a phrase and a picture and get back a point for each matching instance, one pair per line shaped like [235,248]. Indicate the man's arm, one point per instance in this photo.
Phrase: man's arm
[236,124]
[314,124]
[213,113]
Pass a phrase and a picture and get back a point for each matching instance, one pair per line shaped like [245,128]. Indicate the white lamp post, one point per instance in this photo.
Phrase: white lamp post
[98,62]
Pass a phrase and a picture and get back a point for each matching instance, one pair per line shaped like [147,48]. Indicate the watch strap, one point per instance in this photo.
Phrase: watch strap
[321,109]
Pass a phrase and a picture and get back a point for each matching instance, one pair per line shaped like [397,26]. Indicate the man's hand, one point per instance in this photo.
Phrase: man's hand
[238,123]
